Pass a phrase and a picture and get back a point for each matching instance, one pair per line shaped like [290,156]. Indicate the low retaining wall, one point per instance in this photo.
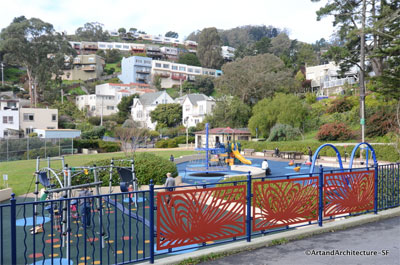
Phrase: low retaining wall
[5,194]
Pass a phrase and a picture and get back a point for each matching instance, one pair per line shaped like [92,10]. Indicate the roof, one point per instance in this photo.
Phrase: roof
[194,98]
[130,85]
[226,130]
[148,98]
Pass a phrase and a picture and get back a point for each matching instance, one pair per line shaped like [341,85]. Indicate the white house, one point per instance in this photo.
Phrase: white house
[9,113]
[195,107]
[326,80]
[108,96]
[145,104]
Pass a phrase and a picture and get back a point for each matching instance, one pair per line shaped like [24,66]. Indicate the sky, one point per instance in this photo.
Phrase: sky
[160,16]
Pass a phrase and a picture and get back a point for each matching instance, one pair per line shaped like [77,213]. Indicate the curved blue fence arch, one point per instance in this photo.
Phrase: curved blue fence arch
[353,153]
[317,152]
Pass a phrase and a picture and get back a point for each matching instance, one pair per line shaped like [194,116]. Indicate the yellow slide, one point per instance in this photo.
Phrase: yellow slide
[236,153]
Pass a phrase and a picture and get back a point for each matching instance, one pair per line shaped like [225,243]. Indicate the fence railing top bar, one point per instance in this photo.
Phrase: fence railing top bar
[91,197]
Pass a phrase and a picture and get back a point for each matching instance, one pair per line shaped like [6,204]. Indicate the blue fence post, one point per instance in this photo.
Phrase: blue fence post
[321,195]
[13,230]
[151,201]
[376,189]
[248,217]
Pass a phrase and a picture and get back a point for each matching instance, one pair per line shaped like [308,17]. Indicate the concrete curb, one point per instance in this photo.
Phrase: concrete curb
[267,240]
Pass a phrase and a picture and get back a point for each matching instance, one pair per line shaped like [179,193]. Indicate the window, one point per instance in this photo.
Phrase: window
[93,108]
[158,65]
[28,130]
[166,66]
[201,109]
[10,120]
[139,114]
[29,117]
[126,47]
[190,70]
[147,62]
[91,59]
[110,107]
[174,67]
[187,107]
[197,71]
[53,117]
[102,46]
[139,61]
[110,46]
[118,46]
[181,68]
[5,120]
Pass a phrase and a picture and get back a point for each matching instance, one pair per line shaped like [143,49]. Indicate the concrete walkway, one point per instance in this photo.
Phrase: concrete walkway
[314,243]
[380,241]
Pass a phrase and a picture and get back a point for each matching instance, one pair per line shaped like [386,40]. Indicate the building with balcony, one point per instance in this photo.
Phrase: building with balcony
[153,52]
[108,96]
[326,80]
[85,67]
[17,121]
[228,53]
[195,107]
[135,69]
[145,104]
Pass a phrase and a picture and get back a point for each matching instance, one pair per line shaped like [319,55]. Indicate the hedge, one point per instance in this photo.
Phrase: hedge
[147,166]
[383,152]
[99,145]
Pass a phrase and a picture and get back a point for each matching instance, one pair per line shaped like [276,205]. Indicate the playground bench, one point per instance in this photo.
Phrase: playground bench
[248,151]
[269,152]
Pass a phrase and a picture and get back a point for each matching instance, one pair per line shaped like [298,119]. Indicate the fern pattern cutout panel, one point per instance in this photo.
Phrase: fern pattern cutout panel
[348,192]
[200,215]
[278,203]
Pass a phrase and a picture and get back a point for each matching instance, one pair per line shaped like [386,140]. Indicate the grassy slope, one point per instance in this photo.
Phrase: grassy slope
[21,173]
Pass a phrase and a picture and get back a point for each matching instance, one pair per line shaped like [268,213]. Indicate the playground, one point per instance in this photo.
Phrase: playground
[128,224]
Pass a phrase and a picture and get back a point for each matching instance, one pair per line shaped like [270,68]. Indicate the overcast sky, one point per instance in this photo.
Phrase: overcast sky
[183,17]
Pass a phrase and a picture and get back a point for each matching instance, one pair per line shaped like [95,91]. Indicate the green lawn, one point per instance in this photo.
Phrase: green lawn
[112,65]
[21,173]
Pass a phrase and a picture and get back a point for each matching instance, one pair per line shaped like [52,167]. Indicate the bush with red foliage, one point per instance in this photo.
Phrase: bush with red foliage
[339,105]
[380,123]
[334,132]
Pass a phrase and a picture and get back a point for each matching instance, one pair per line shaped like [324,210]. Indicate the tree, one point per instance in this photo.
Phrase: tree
[121,31]
[204,84]
[157,81]
[34,45]
[284,109]
[229,111]
[189,59]
[209,48]
[133,30]
[255,77]
[124,106]
[92,32]
[167,115]
[172,34]
[280,45]
[130,135]
[113,56]
[262,46]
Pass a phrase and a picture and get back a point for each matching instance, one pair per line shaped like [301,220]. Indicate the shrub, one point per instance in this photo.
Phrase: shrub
[182,139]
[283,132]
[340,105]
[147,166]
[95,133]
[108,147]
[172,143]
[334,132]
[162,144]
[380,123]
[95,120]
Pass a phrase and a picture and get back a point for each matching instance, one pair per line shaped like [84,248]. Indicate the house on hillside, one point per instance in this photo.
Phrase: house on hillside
[145,104]
[85,67]
[18,122]
[135,69]
[108,96]
[195,107]
[326,80]
[221,135]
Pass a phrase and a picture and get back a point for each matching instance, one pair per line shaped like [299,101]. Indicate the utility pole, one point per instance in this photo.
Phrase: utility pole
[2,74]
[101,115]
[362,73]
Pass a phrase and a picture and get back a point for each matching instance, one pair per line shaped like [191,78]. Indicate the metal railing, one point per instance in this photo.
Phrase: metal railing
[30,148]
[142,225]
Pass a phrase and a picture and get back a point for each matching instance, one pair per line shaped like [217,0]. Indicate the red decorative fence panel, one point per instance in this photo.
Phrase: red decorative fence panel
[348,192]
[284,202]
[200,215]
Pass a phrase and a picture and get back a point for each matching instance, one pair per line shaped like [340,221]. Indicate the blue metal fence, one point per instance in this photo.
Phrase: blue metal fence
[122,227]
